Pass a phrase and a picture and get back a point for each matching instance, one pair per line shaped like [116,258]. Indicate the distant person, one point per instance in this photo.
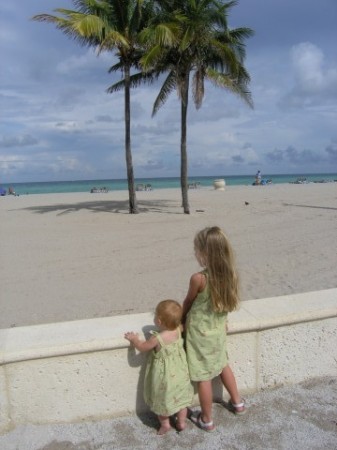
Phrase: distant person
[167,386]
[258,177]
[212,294]
[11,191]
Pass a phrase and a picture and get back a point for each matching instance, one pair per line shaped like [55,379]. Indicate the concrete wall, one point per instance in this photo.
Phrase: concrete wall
[71,371]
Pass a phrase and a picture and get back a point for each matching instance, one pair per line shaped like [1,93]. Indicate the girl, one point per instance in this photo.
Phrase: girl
[167,386]
[211,295]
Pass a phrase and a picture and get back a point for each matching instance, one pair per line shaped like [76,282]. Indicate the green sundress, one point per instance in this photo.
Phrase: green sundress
[167,385]
[205,338]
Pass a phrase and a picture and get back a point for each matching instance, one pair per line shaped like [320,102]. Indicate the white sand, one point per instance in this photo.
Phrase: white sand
[76,256]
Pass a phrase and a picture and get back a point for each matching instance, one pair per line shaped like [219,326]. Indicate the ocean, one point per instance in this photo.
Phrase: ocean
[156,183]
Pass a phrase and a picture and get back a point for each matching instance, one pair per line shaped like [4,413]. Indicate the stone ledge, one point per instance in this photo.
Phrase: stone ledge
[257,315]
[86,336]
[71,371]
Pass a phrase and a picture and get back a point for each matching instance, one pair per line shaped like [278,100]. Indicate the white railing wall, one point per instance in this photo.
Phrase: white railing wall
[85,370]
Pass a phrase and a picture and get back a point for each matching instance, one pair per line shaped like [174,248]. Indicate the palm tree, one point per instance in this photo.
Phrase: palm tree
[192,37]
[109,25]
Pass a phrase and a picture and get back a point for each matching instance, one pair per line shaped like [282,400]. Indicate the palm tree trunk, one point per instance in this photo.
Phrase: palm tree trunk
[183,143]
[133,209]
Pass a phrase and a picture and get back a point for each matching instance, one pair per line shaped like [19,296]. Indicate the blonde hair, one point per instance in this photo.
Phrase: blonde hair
[216,253]
[169,312]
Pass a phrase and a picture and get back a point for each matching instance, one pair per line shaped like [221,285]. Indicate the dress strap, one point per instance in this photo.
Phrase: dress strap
[205,274]
[153,332]
[160,340]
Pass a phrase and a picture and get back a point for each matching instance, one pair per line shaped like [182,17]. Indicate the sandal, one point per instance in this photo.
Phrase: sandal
[238,408]
[209,426]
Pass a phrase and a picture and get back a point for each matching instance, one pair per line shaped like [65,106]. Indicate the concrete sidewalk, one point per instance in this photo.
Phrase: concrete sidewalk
[301,417]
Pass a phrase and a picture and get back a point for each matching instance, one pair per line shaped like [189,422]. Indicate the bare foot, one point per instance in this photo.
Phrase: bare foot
[163,429]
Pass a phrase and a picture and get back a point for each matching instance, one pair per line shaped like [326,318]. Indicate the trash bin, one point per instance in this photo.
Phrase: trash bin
[219,185]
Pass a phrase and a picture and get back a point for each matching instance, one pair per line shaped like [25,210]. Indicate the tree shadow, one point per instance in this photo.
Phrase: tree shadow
[67,445]
[137,359]
[310,206]
[107,206]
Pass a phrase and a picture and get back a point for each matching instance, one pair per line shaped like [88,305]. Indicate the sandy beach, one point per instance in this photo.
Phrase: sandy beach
[77,256]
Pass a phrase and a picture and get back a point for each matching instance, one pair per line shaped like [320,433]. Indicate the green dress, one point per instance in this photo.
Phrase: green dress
[205,338]
[167,385]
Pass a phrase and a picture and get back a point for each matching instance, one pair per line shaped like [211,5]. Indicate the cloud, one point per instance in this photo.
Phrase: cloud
[17,141]
[331,150]
[69,97]
[83,63]
[238,159]
[152,165]
[314,83]
[275,156]
[41,163]
[69,126]
[293,156]
[69,164]
[307,62]
[104,118]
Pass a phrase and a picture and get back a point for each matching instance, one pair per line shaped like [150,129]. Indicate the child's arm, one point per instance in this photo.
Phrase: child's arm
[196,285]
[142,346]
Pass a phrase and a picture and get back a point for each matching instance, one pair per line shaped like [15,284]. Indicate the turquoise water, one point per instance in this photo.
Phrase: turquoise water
[157,183]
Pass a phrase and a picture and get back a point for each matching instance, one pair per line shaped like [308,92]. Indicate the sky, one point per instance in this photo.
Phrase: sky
[59,123]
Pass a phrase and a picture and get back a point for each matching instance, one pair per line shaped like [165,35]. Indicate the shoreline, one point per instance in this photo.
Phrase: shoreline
[80,255]
[73,186]
[170,190]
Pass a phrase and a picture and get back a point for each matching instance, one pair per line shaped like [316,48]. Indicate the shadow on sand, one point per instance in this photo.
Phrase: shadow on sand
[115,207]
[310,206]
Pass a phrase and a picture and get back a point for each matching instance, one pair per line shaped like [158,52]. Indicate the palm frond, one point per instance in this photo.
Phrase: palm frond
[236,86]
[116,67]
[86,29]
[198,87]
[151,57]
[116,87]
[112,40]
[135,81]
[168,86]
[140,78]
[97,7]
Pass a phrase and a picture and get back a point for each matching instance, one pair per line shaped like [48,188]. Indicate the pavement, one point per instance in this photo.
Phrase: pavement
[301,417]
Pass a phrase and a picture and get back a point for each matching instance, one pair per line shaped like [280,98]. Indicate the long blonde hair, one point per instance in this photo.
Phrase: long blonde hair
[217,256]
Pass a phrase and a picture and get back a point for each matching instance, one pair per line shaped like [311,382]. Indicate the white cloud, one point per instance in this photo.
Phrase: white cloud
[307,60]
[315,82]
[69,164]
[69,126]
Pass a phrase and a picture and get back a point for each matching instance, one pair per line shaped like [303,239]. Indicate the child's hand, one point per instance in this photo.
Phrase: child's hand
[139,344]
[131,336]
